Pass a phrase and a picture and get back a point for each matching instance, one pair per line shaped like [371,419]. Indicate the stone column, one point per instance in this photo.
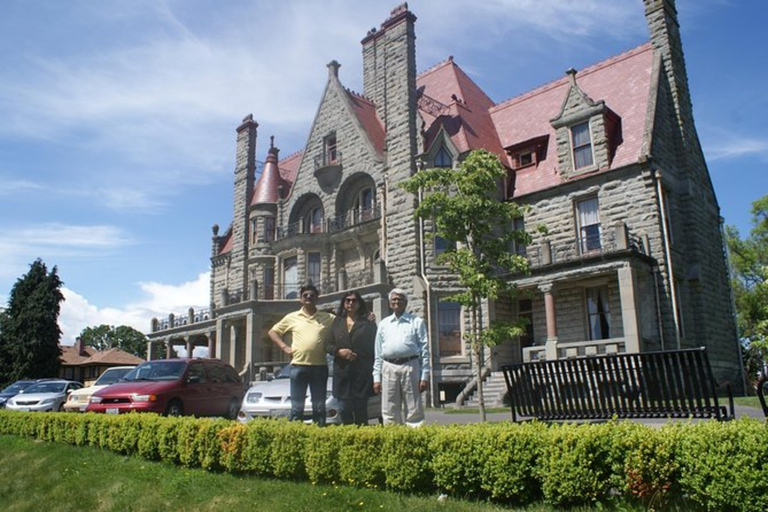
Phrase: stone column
[250,344]
[150,345]
[212,344]
[551,317]
[190,347]
[629,314]
[222,338]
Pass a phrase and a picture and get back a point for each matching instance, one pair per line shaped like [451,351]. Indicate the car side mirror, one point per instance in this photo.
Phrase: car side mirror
[193,379]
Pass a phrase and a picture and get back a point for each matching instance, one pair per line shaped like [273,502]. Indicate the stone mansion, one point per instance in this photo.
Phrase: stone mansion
[607,158]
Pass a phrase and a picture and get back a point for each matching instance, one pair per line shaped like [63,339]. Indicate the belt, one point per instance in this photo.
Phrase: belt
[400,360]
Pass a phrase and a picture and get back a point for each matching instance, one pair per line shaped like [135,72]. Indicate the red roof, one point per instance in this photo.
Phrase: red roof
[365,111]
[267,188]
[465,116]
[623,82]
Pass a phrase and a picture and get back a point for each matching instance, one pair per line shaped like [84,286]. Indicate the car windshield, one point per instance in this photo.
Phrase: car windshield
[17,387]
[111,376]
[46,387]
[157,370]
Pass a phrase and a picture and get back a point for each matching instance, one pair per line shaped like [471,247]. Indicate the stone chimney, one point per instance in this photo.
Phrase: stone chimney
[245,169]
[80,346]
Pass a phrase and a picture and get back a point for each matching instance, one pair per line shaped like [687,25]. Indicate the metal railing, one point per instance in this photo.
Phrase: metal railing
[353,217]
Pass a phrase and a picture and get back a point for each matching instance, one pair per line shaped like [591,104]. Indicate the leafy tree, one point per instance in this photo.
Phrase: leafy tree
[29,343]
[123,337]
[749,269]
[465,207]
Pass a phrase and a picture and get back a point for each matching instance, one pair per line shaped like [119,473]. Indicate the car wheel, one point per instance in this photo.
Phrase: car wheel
[232,409]
[175,408]
[61,407]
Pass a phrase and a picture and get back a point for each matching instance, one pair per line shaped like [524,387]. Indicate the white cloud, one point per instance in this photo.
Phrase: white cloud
[161,299]
[734,147]
[52,242]
[12,186]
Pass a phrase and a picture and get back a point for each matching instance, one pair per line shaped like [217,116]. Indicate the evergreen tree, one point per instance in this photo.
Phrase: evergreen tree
[29,344]
[123,337]
[467,211]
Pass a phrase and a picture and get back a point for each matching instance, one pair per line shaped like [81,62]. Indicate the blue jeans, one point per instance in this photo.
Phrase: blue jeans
[316,378]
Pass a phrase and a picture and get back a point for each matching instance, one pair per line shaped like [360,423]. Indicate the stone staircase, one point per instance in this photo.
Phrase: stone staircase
[494,389]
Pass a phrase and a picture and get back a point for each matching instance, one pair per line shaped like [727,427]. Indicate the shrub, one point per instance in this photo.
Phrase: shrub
[576,464]
[724,466]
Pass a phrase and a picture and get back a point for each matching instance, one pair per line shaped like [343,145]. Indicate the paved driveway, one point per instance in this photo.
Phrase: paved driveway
[440,417]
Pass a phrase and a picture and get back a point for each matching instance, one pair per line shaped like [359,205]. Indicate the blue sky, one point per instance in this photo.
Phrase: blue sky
[118,117]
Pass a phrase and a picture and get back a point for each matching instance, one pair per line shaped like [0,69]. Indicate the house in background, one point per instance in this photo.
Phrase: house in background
[86,364]
[607,158]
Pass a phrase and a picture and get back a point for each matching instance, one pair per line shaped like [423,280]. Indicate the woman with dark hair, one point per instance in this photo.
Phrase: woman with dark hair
[352,345]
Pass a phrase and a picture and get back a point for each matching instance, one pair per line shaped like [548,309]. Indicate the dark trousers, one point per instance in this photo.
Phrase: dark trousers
[316,378]
[354,411]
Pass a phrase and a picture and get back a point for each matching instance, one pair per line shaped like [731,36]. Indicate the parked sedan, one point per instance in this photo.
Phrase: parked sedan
[174,387]
[78,399]
[272,399]
[47,395]
[14,389]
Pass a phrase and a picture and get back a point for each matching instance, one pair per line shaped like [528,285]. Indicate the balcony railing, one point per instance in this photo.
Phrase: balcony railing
[341,281]
[353,218]
[611,241]
[347,220]
[328,168]
[577,349]
[181,320]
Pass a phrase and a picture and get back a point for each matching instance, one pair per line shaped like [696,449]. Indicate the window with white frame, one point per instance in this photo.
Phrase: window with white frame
[331,154]
[588,219]
[598,313]
[581,140]
[313,267]
[449,328]
[291,277]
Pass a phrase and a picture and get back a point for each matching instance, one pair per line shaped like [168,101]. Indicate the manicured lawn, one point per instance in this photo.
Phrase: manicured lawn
[37,476]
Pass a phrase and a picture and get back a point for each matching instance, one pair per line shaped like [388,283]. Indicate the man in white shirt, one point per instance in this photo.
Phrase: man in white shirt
[401,364]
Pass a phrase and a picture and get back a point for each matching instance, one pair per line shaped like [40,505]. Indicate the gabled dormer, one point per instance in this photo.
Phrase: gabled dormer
[587,132]
[441,152]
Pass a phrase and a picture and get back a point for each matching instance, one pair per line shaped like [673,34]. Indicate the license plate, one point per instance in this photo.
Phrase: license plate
[113,411]
[83,407]
[24,409]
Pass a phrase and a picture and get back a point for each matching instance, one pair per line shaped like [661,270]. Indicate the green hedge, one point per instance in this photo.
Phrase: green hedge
[705,465]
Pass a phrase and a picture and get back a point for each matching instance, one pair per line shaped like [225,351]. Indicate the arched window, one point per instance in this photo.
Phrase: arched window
[364,205]
[313,221]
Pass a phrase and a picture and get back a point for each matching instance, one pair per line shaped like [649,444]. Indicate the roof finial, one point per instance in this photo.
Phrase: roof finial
[572,74]
[333,68]
[271,141]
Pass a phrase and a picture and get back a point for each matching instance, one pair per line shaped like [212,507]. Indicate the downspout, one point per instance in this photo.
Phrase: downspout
[667,253]
[428,309]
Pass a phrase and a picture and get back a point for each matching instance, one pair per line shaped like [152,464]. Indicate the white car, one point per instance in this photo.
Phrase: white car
[78,399]
[272,399]
[44,396]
